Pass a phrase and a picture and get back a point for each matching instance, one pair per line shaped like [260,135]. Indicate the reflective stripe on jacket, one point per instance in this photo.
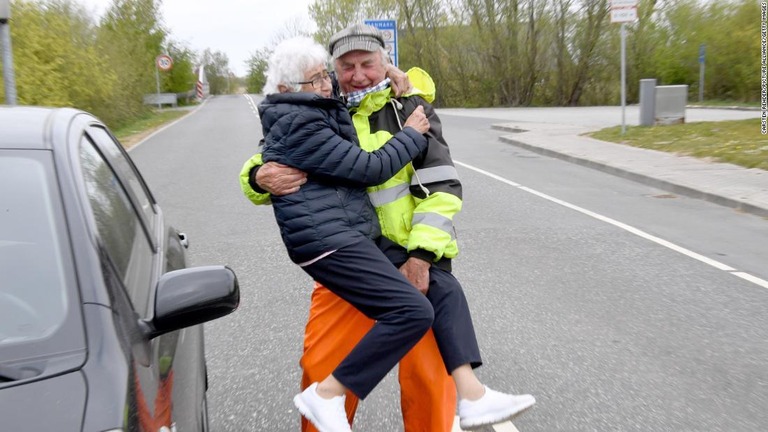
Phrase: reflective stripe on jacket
[416,207]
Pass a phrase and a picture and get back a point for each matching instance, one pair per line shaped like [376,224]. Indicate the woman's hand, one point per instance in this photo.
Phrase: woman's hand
[418,120]
[399,80]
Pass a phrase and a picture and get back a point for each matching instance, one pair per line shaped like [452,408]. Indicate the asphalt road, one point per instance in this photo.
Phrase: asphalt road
[609,330]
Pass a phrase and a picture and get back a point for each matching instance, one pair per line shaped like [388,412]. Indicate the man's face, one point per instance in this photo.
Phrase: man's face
[359,70]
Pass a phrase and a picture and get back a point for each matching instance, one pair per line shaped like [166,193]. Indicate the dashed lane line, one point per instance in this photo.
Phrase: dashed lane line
[254,106]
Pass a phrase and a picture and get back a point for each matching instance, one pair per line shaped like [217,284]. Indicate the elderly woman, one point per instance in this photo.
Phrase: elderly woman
[331,230]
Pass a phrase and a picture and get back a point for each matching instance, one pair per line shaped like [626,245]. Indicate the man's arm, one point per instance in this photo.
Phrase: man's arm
[259,180]
[437,192]
[278,179]
[248,184]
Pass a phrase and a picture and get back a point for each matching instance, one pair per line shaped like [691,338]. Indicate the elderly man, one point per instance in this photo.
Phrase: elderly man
[415,209]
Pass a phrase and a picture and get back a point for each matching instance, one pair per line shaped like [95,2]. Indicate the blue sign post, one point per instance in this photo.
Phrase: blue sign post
[702,50]
[388,29]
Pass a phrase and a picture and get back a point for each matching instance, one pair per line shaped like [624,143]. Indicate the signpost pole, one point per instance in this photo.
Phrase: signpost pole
[623,11]
[623,78]
[157,80]
[165,63]
[701,72]
[7,55]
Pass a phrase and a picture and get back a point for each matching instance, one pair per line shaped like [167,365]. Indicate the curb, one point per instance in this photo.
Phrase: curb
[639,177]
[734,108]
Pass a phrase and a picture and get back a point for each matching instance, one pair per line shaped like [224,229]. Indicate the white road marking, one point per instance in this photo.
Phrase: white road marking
[716,264]
[456,427]
[253,105]
[749,277]
[507,426]
[167,126]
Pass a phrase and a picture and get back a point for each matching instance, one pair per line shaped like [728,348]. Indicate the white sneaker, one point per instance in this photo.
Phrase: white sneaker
[494,407]
[327,415]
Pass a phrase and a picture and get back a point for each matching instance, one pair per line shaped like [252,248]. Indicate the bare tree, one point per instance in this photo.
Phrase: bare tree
[588,34]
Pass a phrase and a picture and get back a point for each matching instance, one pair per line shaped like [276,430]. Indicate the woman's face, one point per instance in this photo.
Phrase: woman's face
[316,80]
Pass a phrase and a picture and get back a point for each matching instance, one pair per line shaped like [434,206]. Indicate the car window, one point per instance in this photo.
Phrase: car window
[119,226]
[121,164]
[33,286]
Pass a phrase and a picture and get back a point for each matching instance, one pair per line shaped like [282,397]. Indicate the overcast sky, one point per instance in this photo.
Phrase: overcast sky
[235,27]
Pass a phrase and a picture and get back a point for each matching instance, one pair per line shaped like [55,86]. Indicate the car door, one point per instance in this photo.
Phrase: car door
[168,373]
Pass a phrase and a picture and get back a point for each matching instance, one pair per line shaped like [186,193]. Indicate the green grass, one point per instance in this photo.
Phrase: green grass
[738,142]
[151,121]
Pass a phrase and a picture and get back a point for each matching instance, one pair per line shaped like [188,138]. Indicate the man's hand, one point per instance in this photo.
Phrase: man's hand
[417,272]
[279,179]
[399,80]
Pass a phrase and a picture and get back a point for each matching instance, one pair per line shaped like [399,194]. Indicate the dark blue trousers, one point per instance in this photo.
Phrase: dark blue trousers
[453,328]
[364,276]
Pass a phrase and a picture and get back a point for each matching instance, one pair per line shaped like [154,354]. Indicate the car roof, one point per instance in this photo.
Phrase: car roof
[30,127]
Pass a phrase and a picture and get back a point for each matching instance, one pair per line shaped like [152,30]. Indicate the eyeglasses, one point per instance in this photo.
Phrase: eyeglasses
[317,81]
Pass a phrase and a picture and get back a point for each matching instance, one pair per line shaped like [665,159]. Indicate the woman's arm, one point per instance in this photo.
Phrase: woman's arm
[314,148]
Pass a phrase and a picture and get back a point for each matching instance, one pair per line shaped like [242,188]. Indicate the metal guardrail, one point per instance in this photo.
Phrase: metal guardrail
[161,99]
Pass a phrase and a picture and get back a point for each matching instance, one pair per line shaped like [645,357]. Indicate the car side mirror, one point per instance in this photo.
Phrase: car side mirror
[191,296]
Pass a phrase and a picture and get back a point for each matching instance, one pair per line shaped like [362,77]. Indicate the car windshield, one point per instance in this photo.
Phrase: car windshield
[33,299]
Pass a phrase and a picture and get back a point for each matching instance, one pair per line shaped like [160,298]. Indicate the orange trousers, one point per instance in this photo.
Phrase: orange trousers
[149,422]
[334,327]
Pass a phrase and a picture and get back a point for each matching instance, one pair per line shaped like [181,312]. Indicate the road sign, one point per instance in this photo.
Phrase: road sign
[164,62]
[623,14]
[623,11]
[702,50]
[388,29]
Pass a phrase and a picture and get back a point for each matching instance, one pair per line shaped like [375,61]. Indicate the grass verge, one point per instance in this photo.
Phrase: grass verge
[738,142]
[134,132]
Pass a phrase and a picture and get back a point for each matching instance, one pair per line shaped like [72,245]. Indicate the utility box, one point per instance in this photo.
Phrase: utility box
[647,102]
[670,104]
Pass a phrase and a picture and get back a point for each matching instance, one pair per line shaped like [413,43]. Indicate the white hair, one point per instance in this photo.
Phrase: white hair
[290,60]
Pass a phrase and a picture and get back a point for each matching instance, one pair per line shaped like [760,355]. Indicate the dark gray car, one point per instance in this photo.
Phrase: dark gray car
[99,314]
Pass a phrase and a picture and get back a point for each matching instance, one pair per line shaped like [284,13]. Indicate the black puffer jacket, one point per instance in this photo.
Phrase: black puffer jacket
[332,209]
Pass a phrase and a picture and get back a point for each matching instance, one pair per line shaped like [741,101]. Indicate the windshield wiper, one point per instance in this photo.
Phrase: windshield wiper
[13,373]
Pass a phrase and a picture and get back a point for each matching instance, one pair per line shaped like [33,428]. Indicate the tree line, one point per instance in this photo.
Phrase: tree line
[559,52]
[63,56]
[480,52]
